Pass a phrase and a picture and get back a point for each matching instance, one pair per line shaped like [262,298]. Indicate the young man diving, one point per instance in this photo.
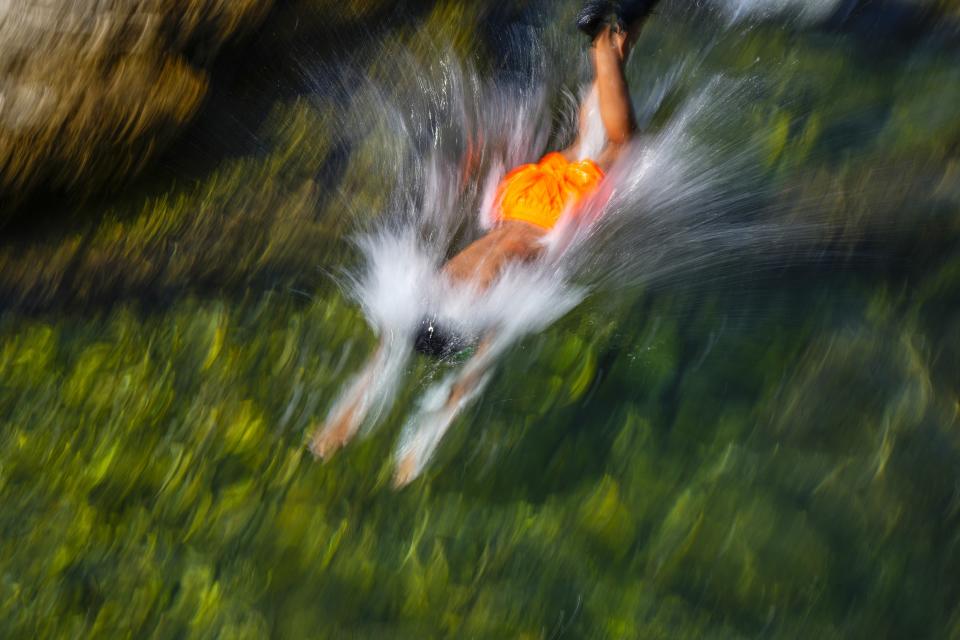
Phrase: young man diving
[529,203]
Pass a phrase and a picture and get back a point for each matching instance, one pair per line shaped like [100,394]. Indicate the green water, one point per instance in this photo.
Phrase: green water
[767,456]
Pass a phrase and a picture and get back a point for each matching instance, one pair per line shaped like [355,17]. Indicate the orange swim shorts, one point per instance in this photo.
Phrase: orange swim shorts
[540,193]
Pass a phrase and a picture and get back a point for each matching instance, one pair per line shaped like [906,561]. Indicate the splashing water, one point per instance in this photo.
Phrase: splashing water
[804,10]
[672,206]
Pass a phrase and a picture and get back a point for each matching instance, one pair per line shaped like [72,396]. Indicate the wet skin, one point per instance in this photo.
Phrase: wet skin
[481,262]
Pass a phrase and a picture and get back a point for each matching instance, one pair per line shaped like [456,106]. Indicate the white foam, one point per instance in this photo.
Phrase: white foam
[805,10]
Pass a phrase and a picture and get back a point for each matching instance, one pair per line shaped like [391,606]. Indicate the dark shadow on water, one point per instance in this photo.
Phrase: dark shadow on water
[889,27]
[248,79]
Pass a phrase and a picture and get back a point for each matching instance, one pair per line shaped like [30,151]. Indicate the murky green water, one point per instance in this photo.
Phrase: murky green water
[772,454]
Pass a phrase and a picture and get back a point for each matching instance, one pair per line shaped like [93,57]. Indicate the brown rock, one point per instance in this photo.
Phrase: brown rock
[91,89]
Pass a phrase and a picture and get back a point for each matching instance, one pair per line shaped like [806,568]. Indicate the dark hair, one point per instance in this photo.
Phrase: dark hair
[437,340]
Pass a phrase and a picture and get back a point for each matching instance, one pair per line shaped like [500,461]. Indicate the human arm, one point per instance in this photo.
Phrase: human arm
[425,431]
[353,407]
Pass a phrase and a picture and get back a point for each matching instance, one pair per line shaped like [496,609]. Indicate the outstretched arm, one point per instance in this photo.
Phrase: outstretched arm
[372,386]
[432,424]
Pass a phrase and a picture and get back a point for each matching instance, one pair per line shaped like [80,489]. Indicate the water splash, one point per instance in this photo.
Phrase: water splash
[806,11]
[674,206]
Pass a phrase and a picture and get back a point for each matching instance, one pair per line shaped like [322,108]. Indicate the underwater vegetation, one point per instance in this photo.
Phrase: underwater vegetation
[767,451]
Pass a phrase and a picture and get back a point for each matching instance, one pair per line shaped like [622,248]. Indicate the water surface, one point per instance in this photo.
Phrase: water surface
[746,426]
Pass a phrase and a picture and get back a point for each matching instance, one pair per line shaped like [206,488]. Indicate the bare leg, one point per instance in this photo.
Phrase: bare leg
[609,58]
[609,55]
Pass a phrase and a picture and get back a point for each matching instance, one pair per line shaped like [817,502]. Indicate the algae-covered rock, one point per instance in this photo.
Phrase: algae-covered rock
[199,234]
[91,91]
[606,518]
[885,373]
[748,555]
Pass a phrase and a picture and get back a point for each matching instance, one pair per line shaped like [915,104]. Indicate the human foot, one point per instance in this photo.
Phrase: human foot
[632,15]
[594,16]
[615,40]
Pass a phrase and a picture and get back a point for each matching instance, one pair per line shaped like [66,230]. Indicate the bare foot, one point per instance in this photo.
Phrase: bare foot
[620,41]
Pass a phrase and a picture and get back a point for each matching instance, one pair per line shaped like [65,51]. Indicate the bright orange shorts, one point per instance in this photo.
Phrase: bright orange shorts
[540,193]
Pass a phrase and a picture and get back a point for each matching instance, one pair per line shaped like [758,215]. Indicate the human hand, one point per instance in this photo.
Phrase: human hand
[334,434]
